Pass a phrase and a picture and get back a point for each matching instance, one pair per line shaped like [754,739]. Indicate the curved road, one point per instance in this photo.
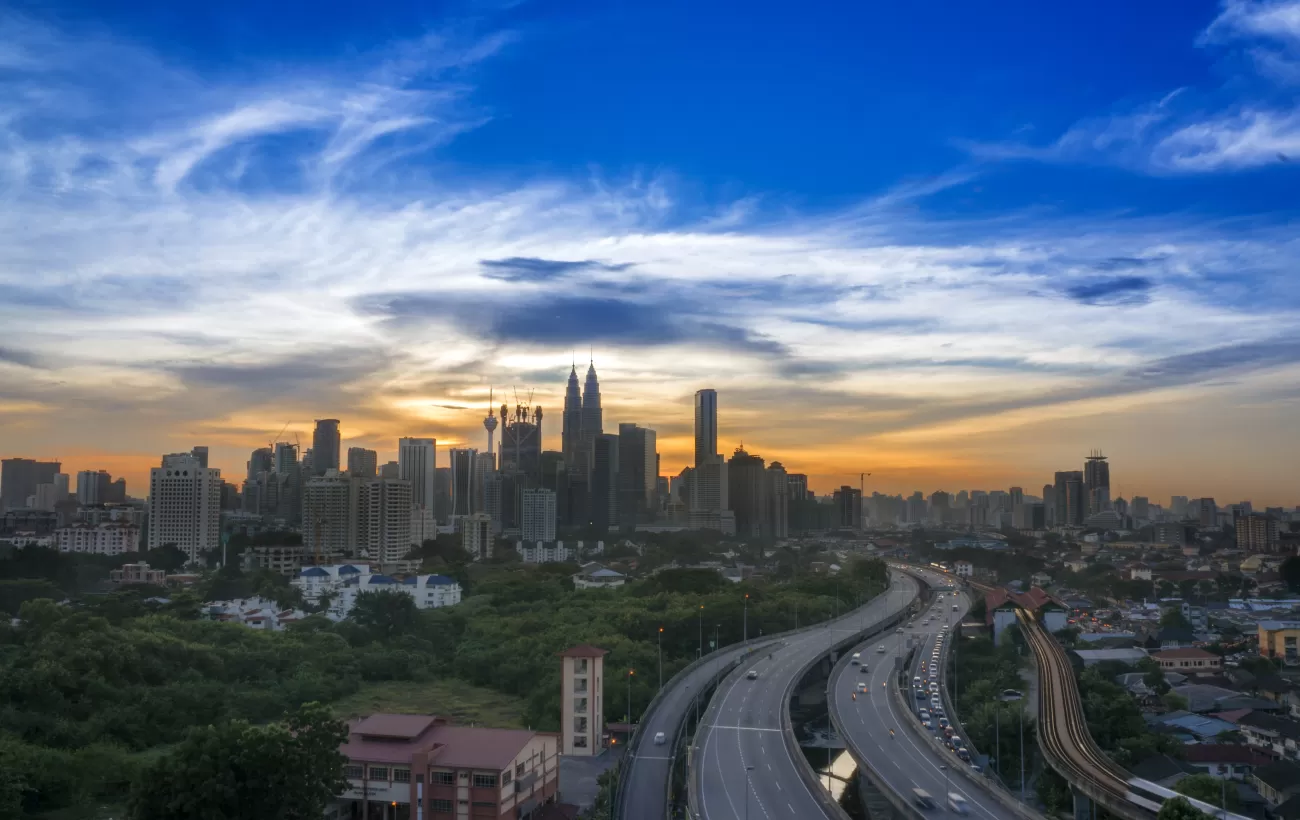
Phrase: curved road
[907,761]
[744,764]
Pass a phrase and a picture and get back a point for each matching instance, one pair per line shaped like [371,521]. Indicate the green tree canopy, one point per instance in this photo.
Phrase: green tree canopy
[386,613]
[1209,789]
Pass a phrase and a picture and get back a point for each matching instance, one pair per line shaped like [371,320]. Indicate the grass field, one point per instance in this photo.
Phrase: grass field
[461,702]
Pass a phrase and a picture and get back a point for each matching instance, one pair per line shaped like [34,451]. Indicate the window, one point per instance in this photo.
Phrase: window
[378,772]
[579,704]
[505,778]
[580,666]
[444,779]
[401,775]
[485,781]
[519,770]
[580,742]
[352,772]
[580,725]
[438,804]
[580,686]
[484,804]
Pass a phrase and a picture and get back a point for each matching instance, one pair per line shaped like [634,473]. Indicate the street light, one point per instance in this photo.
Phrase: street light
[748,786]
[661,657]
[745,633]
[630,673]
[701,631]
[945,780]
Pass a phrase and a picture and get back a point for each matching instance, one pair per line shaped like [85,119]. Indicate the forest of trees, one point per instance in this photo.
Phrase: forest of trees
[98,689]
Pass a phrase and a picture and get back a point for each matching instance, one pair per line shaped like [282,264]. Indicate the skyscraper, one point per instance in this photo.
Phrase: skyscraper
[592,419]
[604,482]
[465,481]
[417,462]
[1071,499]
[94,487]
[571,422]
[19,477]
[200,453]
[261,461]
[1096,479]
[637,474]
[778,501]
[363,462]
[538,516]
[748,488]
[521,442]
[706,424]
[325,446]
[389,519]
[329,517]
[798,483]
[848,507]
[184,505]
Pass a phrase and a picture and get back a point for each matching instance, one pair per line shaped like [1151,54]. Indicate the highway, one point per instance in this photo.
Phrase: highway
[914,757]
[744,764]
[646,792]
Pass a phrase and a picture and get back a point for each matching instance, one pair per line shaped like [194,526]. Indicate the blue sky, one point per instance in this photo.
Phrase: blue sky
[990,238]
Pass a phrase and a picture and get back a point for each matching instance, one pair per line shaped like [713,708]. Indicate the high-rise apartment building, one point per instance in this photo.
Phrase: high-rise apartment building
[1207,513]
[326,446]
[185,505]
[1049,505]
[706,425]
[1071,499]
[778,501]
[329,521]
[1178,506]
[19,477]
[200,454]
[476,536]
[538,516]
[798,483]
[417,462]
[638,466]
[363,463]
[747,490]
[1257,532]
[1141,508]
[94,487]
[388,503]
[1096,479]
[848,507]
[1015,497]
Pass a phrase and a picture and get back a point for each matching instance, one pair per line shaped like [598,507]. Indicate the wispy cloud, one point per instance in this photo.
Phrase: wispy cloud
[1187,132]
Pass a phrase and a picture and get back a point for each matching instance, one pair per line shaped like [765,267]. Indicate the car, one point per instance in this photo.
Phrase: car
[934,702]
[926,724]
[954,607]
[856,659]
[963,755]
[752,674]
[922,798]
[1012,694]
[862,687]
[916,681]
[958,803]
[958,743]
[865,669]
[660,738]
[923,715]
[948,732]
[943,723]
[920,694]
[880,649]
[938,711]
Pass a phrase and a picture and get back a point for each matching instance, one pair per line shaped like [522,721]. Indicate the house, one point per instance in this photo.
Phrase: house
[254,613]
[326,580]
[137,574]
[1226,760]
[597,576]
[1277,782]
[1091,657]
[1275,735]
[964,569]
[404,761]
[1139,572]
[1000,606]
[1188,660]
[1192,728]
[1163,770]
[427,591]
[1171,637]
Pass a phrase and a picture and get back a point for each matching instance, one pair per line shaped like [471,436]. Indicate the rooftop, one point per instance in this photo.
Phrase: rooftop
[397,727]
[585,650]
[469,747]
[1224,753]
[1185,654]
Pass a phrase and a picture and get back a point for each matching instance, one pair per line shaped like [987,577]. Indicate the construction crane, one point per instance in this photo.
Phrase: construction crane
[862,483]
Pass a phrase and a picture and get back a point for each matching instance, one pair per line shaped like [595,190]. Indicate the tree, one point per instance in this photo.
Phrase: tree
[1209,789]
[1177,808]
[1174,617]
[238,771]
[1290,572]
[1152,675]
[385,614]
[1174,701]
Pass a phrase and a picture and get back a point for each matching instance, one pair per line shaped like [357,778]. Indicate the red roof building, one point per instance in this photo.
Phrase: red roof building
[407,761]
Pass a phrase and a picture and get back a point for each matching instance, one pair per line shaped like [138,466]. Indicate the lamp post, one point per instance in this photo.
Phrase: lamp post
[717,636]
[661,657]
[630,673]
[745,632]
[701,631]
[748,786]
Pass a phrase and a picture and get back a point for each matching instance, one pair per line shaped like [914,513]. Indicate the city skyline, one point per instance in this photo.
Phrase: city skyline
[205,236]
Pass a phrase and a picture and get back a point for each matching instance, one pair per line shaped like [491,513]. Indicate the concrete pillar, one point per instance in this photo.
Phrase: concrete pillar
[1082,805]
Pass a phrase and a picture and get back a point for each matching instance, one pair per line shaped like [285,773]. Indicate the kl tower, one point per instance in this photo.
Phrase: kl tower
[490,423]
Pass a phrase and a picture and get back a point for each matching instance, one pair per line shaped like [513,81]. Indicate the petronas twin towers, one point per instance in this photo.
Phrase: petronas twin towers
[582,417]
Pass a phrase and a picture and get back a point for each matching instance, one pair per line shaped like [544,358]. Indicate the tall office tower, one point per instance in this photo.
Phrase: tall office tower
[442,488]
[1207,513]
[1178,506]
[325,446]
[46,497]
[592,418]
[1096,479]
[940,509]
[571,422]
[417,462]
[494,486]
[1141,508]
[483,471]
[537,521]
[637,474]
[962,500]
[747,489]
[679,486]
[260,461]
[778,501]
[329,526]
[1071,499]
[476,536]
[185,505]
[62,494]
[286,457]
[798,483]
[466,483]
[201,455]
[521,443]
[604,482]
[916,511]
[388,502]
[19,477]
[1016,497]
[706,424]
[1049,504]
[1257,532]
[848,507]
[363,463]
[555,477]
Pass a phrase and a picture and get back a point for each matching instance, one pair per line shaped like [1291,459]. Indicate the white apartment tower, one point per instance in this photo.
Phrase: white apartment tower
[185,505]
[476,536]
[328,517]
[538,519]
[388,502]
[582,696]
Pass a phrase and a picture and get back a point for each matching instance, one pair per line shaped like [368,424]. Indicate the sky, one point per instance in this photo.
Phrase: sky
[954,248]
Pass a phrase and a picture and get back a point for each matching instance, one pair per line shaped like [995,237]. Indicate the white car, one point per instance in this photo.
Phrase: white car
[881,649]
[659,738]
[862,687]
[923,714]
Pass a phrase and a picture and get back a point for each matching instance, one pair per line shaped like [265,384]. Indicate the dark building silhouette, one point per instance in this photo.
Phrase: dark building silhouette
[1096,481]
[848,507]
[604,482]
[1071,498]
[19,477]
[638,468]
[748,491]
[325,444]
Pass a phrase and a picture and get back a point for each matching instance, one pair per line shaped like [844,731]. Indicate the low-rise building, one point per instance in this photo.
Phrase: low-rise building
[1188,660]
[1277,736]
[109,538]
[137,574]
[1229,761]
[1277,782]
[964,569]
[422,766]
[428,591]
[254,613]
[327,580]
[1280,639]
[285,559]
[545,552]
[596,576]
